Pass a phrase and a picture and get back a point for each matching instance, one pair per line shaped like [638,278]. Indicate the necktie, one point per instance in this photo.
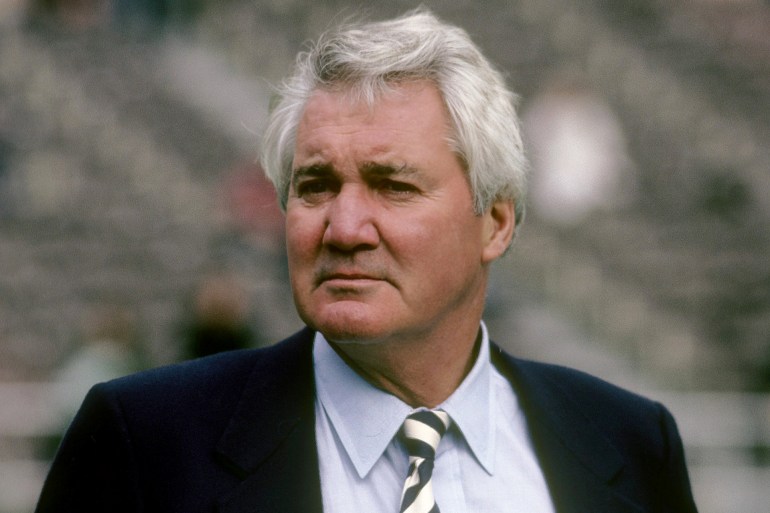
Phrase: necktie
[421,433]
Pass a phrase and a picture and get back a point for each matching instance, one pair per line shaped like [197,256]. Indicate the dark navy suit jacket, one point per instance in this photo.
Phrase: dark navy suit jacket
[235,433]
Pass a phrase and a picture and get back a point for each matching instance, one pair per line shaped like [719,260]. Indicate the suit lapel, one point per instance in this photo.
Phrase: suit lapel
[270,442]
[578,461]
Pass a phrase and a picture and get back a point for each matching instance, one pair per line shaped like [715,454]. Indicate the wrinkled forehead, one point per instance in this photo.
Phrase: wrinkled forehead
[411,113]
[373,98]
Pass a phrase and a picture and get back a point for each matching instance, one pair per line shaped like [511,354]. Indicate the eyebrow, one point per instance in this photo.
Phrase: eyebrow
[311,171]
[368,169]
[378,170]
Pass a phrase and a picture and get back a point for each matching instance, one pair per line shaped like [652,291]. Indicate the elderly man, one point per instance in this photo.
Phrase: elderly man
[396,153]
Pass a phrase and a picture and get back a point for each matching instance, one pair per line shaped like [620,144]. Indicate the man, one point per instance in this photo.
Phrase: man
[396,153]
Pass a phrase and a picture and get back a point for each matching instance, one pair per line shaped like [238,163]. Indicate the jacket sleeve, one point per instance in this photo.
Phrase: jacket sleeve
[94,469]
[674,482]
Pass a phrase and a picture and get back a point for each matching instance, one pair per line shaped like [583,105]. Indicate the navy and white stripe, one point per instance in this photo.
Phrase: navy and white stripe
[421,434]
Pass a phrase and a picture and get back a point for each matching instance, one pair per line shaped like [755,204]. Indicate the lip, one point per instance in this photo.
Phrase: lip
[348,276]
[346,279]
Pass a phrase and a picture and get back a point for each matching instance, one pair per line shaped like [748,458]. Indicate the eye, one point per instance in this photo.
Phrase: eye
[314,188]
[311,187]
[397,187]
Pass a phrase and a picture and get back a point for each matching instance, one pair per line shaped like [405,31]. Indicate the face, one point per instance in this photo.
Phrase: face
[383,243]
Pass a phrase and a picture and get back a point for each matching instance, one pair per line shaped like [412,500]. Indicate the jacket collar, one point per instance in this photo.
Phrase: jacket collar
[578,461]
[270,441]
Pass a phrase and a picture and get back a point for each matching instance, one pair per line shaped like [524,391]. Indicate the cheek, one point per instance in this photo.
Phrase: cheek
[425,250]
[303,233]
[455,252]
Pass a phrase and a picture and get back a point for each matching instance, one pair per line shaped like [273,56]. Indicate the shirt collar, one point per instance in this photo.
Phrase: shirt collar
[470,407]
[366,418]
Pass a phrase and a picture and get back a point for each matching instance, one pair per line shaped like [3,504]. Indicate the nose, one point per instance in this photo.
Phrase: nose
[351,220]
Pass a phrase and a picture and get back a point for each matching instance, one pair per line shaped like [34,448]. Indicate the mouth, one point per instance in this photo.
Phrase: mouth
[347,279]
[344,277]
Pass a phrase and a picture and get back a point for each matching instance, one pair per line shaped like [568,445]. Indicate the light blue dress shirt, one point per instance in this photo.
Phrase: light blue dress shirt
[484,463]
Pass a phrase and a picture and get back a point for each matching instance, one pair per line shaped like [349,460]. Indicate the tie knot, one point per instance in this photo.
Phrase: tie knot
[422,431]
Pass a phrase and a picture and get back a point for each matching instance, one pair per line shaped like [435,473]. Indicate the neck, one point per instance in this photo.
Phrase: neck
[423,373]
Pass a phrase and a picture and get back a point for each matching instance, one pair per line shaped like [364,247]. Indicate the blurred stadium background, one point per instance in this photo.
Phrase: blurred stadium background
[132,209]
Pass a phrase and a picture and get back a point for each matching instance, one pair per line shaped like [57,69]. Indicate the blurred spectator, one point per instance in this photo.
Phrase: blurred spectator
[253,206]
[83,14]
[156,12]
[109,350]
[220,319]
[79,14]
[579,156]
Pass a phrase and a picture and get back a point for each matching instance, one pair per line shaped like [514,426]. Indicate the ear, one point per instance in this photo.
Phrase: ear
[499,225]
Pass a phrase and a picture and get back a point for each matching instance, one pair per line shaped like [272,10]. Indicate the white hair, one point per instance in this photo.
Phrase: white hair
[366,58]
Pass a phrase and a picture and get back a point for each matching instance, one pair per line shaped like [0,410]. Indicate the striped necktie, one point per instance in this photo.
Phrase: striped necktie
[421,434]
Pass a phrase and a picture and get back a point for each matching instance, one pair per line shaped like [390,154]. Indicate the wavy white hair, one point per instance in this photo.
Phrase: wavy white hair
[367,58]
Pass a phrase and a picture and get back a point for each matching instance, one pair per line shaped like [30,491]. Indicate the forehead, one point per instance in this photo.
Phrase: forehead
[404,117]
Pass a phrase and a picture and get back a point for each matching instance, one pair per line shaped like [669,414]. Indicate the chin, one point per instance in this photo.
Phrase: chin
[353,324]
[351,333]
